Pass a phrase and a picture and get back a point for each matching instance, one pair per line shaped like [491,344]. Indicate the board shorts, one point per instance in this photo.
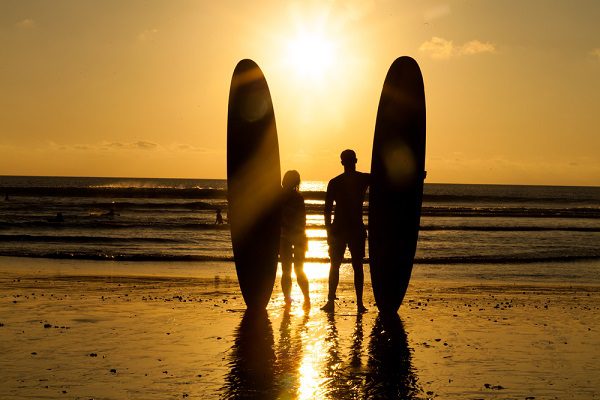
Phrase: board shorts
[354,239]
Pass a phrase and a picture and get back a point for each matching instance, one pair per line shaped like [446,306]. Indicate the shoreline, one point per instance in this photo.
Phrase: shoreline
[169,334]
[576,272]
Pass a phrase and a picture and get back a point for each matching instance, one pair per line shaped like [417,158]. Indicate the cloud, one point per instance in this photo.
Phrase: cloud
[477,47]
[438,48]
[139,145]
[148,34]
[27,23]
[596,53]
[142,145]
[188,147]
[443,49]
[104,146]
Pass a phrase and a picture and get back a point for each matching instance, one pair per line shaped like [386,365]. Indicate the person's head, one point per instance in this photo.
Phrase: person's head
[348,158]
[291,180]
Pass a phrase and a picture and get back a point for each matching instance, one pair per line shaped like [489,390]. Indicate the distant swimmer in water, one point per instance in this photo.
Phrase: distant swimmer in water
[59,218]
[219,218]
[6,197]
[293,241]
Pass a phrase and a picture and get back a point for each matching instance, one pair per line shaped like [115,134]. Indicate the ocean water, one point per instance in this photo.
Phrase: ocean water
[174,220]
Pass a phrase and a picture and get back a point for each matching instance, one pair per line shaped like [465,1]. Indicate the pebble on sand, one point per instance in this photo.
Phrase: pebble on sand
[493,387]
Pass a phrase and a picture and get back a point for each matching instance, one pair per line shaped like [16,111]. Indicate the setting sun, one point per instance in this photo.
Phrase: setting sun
[311,54]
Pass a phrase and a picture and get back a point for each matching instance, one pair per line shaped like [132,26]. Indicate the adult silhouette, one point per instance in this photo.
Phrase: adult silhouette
[346,192]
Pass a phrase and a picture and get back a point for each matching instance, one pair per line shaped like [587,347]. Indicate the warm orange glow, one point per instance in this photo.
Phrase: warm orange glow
[315,271]
[311,55]
[309,369]
[500,108]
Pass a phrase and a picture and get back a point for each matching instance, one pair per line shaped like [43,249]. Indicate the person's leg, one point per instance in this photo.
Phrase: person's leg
[337,247]
[357,252]
[359,279]
[301,278]
[285,253]
[334,279]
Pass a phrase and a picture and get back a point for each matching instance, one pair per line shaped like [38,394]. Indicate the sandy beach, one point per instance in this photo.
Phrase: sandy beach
[102,330]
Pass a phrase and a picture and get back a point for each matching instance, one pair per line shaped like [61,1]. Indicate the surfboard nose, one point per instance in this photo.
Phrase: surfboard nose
[249,87]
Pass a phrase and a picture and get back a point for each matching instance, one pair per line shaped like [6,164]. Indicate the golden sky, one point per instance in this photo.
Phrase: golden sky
[139,88]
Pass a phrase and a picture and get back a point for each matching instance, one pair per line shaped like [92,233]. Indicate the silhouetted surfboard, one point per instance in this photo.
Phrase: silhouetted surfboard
[253,183]
[396,191]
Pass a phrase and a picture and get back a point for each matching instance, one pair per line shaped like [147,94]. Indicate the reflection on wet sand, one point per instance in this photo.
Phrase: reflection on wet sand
[252,360]
[312,359]
[390,374]
[357,339]
[344,379]
[289,355]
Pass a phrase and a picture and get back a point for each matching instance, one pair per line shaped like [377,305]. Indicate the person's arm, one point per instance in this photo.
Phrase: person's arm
[303,215]
[328,206]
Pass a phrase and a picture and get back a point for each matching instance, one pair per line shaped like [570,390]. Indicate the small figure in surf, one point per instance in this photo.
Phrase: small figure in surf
[347,191]
[58,218]
[6,197]
[219,217]
[293,237]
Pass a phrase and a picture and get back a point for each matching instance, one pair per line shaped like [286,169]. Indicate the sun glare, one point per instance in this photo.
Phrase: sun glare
[311,54]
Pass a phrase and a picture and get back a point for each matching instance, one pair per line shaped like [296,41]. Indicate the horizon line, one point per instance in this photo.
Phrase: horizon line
[306,180]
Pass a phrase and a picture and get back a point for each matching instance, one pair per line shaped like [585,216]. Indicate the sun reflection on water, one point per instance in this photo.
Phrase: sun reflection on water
[308,371]
[313,186]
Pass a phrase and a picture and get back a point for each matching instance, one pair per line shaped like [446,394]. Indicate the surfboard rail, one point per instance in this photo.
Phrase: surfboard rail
[253,183]
[396,189]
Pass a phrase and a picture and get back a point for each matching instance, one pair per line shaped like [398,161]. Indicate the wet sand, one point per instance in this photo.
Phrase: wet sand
[157,331]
